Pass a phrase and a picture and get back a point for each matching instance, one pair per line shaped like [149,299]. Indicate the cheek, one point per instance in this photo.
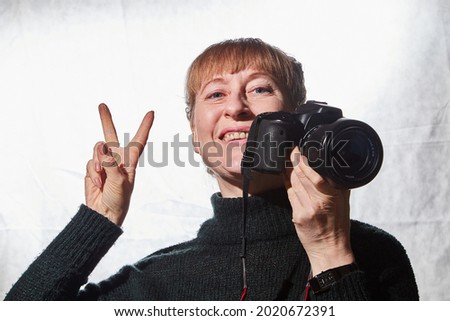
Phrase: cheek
[270,105]
[205,123]
[279,104]
[202,132]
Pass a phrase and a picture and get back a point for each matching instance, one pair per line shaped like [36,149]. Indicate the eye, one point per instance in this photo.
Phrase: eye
[215,95]
[262,90]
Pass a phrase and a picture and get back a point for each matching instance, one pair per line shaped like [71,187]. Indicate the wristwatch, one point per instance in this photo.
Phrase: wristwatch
[324,280]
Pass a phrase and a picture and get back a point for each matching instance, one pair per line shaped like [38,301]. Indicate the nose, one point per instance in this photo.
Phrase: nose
[237,107]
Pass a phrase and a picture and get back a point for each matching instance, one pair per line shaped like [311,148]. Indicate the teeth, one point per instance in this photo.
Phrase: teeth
[235,135]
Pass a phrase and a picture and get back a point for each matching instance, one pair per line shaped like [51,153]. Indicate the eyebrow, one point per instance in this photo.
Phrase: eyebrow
[221,79]
[215,79]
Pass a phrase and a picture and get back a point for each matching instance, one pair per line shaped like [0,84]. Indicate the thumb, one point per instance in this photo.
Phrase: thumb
[109,160]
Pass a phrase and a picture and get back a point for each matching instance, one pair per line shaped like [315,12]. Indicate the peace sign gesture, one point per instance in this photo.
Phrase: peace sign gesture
[111,172]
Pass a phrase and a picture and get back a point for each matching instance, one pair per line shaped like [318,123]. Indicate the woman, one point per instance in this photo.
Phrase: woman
[299,242]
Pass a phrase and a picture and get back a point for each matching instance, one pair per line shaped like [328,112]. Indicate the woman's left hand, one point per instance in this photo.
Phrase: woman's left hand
[321,215]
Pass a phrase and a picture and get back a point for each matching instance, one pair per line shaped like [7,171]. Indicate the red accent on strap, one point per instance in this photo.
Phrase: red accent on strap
[306,298]
[244,293]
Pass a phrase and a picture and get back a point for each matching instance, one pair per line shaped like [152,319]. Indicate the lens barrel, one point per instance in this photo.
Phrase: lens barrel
[347,151]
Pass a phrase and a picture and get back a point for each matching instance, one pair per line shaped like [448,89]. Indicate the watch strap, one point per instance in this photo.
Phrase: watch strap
[324,280]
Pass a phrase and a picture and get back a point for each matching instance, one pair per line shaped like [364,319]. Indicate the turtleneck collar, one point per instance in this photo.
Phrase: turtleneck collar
[269,216]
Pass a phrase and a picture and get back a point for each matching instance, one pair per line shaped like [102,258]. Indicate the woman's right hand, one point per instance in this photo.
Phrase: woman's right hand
[111,172]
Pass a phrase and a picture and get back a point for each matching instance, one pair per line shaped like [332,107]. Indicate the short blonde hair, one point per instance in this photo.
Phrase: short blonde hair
[238,54]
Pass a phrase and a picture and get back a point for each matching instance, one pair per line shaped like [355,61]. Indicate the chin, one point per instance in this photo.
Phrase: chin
[233,172]
[235,166]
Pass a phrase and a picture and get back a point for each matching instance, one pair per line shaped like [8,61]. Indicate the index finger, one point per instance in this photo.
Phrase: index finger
[140,139]
[109,131]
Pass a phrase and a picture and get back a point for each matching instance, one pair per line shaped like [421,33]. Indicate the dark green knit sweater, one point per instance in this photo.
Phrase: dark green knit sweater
[209,267]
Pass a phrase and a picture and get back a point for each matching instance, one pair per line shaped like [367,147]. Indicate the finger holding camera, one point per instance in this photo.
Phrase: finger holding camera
[110,174]
[321,215]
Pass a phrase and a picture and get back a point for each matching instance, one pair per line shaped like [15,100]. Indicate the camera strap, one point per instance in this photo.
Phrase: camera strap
[246,176]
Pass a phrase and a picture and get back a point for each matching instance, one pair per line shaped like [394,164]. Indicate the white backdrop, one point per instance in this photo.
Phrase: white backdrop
[385,62]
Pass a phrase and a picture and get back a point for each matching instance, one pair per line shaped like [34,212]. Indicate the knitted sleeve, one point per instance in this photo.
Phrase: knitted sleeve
[386,272]
[64,266]
[351,287]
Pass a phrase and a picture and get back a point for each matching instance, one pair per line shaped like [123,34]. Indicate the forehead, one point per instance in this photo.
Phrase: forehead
[246,75]
[229,62]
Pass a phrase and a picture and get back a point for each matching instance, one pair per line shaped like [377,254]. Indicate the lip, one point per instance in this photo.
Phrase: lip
[224,131]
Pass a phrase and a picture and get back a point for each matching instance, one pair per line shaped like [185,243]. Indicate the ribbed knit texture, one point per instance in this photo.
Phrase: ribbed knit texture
[66,263]
[209,267]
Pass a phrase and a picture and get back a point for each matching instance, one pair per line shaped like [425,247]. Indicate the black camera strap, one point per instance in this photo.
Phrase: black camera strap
[246,176]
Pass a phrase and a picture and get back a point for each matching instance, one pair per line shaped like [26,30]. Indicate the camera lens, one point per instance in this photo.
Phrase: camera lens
[358,152]
[354,152]
[348,152]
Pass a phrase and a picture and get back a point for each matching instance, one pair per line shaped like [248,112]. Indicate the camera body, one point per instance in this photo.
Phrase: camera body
[348,152]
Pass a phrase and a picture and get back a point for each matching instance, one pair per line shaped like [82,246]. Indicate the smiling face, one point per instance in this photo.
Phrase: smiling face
[224,110]
[226,87]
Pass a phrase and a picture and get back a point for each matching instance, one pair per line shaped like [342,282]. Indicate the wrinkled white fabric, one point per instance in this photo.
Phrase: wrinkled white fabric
[383,62]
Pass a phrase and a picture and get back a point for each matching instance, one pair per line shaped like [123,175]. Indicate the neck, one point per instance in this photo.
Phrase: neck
[259,183]
[269,216]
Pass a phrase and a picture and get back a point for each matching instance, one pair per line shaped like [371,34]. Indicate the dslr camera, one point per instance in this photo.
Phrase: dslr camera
[348,152]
